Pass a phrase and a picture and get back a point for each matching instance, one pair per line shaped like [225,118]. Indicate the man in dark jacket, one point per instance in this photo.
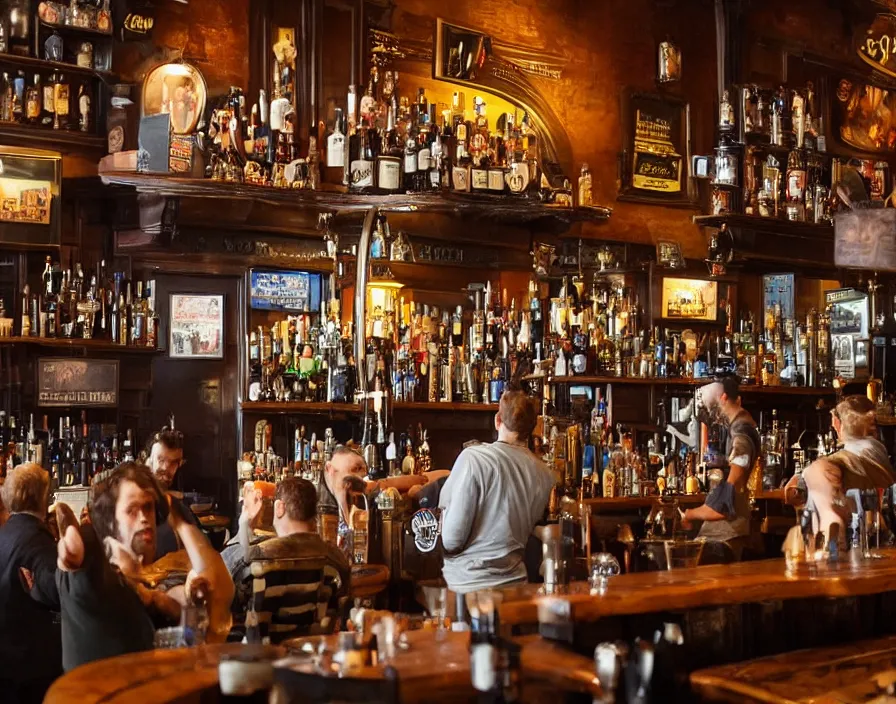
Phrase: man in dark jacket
[165,457]
[30,645]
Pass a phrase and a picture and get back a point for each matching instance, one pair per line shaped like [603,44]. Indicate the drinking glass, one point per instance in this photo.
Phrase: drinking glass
[168,638]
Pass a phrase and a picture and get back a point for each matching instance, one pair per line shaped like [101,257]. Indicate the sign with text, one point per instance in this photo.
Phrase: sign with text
[65,382]
[877,45]
[293,291]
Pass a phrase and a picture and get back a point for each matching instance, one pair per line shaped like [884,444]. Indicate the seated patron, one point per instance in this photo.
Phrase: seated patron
[492,500]
[30,640]
[324,569]
[165,457]
[862,464]
[106,609]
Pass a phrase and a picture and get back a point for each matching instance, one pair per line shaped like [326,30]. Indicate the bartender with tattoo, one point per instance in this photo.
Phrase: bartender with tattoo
[726,512]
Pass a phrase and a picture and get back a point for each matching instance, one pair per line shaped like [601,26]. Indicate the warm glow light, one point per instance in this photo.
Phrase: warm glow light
[385,285]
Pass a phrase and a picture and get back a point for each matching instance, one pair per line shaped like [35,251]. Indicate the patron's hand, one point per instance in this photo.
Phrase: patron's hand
[252,507]
[27,579]
[122,558]
[685,523]
[70,548]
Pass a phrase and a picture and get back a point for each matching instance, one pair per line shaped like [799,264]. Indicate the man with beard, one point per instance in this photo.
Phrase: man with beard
[726,512]
[165,458]
[106,609]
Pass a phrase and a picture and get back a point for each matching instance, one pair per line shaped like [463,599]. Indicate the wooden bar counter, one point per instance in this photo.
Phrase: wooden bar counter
[429,670]
[715,585]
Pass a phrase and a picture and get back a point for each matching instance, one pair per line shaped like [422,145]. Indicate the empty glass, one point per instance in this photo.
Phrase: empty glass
[683,553]
[167,638]
[603,566]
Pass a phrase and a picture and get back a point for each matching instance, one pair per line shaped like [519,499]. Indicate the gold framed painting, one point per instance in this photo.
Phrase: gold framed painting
[690,299]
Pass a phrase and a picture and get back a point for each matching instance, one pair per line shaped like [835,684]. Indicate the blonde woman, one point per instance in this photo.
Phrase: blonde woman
[862,463]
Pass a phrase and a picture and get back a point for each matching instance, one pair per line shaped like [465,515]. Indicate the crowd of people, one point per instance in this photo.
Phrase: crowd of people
[74,590]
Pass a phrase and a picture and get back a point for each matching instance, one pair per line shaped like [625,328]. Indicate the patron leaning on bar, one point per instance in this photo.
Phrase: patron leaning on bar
[106,609]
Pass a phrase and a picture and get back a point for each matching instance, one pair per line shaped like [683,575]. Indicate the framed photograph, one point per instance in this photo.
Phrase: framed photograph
[30,203]
[778,289]
[690,299]
[196,326]
[656,150]
[849,312]
[668,254]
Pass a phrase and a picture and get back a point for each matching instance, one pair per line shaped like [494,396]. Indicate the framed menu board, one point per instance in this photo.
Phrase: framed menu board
[290,291]
[64,382]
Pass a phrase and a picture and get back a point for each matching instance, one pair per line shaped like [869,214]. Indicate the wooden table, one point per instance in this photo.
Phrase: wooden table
[432,670]
[851,674]
[428,671]
[716,585]
[156,676]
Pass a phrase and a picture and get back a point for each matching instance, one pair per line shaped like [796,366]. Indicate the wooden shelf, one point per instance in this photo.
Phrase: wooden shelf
[491,208]
[778,226]
[61,140]
[49,66]
[78,343]
[656,381]
[299,407]
[71,29]
[436,407]
[635,502]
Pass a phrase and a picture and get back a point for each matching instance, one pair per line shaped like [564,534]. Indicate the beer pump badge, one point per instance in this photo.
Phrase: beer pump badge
[425,527]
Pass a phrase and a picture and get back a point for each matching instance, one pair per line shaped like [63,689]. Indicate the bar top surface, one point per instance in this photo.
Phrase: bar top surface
[714,585]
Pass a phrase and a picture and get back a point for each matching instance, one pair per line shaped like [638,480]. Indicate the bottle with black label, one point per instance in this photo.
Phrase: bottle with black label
[48,113]
[61,100]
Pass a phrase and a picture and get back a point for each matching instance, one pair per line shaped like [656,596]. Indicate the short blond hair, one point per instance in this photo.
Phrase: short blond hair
[26,489]
[857,416]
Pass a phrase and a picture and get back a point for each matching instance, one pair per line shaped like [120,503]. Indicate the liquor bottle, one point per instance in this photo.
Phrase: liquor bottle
[361,170]
[586,197]
[410,158]
[32,102]
[8,99]
[104,18]
[457,327]
[34,448]
[68,460]
[138,316]
[85,114]
[336,143]
[61,100]
[122,323]
[152,316]
[18,102]
[388,168]
[796,186]
[49,329]
[48,112]
[26,312]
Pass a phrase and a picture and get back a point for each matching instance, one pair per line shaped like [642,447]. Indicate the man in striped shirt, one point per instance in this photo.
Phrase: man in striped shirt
[306,580]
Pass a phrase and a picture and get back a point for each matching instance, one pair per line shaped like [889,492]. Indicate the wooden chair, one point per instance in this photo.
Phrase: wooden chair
[293,595]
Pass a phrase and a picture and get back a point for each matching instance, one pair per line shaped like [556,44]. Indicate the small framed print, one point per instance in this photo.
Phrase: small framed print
[196,326]
[690,299]
[668,254]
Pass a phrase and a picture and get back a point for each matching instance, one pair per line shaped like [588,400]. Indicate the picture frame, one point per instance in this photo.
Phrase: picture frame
[656,150]
[690,299]
[30,197]
[668,254]
[196,326]
[778,288]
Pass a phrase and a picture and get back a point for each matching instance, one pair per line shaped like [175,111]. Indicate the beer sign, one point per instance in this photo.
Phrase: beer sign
[877,47]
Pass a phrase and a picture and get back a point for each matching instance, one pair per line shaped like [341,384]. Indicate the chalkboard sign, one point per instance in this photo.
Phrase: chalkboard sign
[64,382]
[866,239]
[293,291]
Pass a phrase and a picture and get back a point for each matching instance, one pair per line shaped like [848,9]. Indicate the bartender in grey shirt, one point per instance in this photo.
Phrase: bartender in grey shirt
[491,501]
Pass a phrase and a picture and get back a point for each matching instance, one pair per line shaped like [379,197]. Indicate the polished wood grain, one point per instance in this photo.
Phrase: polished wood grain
[429,670]
[156,676]
[287,407]
[94,345]
[482,206]
[715,585]
[850,674]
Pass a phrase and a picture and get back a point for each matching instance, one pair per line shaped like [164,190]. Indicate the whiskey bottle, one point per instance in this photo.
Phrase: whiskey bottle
[48,113]
[8,99]
[336,143]
[796,186]
[411,151]
[61,100]
[32,102]
[18,103]
[388,168]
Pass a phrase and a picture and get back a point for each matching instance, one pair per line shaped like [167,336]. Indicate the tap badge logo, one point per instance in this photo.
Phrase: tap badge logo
[425,527]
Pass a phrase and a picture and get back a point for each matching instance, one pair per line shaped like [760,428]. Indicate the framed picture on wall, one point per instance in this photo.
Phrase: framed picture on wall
[777,289]
[196,326]
[690,299]
[656,150]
